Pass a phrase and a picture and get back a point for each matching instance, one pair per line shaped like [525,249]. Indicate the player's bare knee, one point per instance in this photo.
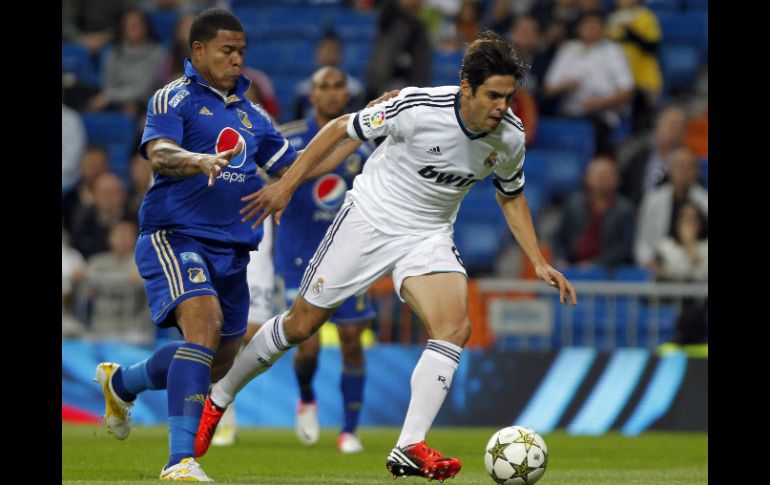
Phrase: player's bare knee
[457,333]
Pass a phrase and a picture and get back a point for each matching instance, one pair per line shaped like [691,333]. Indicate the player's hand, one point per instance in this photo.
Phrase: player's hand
[384,97]
[554,278]
[271,199]
[212,165]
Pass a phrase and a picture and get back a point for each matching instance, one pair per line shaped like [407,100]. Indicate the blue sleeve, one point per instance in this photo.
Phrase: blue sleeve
[164,119]
[275,151]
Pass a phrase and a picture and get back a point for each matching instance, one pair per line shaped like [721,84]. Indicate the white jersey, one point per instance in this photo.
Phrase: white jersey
[415,180]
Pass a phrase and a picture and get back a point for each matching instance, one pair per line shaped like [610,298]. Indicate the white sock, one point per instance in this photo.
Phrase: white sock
[431,380]
[267,346]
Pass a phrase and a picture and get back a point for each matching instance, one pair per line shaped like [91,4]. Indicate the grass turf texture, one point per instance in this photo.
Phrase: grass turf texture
[274,456]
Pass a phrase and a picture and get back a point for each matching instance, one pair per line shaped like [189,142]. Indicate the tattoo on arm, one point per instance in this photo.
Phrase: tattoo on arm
[172,161]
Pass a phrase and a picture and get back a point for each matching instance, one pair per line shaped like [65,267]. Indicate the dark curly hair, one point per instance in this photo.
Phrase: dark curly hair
[490,55]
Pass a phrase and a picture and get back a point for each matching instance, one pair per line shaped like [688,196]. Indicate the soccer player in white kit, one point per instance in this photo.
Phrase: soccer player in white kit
[398,218]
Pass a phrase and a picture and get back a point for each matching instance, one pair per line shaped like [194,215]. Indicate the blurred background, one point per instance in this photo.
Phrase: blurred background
[616,177]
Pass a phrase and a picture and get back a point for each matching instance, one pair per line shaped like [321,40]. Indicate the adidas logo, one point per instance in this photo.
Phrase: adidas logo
[435,150]
[205,111]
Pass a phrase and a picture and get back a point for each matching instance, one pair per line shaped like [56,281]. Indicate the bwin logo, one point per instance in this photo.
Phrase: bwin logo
[447,178]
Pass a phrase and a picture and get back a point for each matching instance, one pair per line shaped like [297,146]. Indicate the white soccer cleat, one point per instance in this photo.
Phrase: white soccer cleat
[349,443]
[117,412]
[307,427]
[187,470]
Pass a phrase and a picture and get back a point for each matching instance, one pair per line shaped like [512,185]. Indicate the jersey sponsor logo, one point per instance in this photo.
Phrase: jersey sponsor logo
[373,120]
[196,275]
[492,159]
[329,191]
[231,177]
[228,139]
[244,118]
[430,173]
[178,97]
[190,257]
[205,111]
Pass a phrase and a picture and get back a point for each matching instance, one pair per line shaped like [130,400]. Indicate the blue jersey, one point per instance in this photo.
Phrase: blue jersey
[199,119]
[313,205]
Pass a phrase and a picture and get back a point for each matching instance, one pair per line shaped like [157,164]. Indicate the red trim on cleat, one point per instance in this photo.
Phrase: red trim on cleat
[208,425]
[420,459]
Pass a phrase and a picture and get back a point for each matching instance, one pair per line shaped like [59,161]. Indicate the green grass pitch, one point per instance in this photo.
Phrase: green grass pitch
[274,456]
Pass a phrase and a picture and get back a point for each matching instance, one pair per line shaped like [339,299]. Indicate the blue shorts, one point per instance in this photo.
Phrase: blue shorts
[353,311]
[176,267]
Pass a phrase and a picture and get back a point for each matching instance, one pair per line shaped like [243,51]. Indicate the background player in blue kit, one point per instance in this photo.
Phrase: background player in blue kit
[303,225]
[205,141]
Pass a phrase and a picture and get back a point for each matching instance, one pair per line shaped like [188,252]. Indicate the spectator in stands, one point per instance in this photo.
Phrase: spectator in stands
[72,272]
[91,23]
[401,54]
[328,52]
[73,142]
[684,257]
[645,162]
[116,294]
[92,224]
[592,79]
[133,69]
[180,46]
[140,173]
[597,225]
[661,206]
[526,36]
[94,162]
[636,28]
[262,91]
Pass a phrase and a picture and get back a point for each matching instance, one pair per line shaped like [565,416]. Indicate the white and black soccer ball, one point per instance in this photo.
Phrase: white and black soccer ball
[516,455]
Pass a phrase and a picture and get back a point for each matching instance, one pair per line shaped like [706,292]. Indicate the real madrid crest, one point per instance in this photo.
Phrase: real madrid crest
[492,159]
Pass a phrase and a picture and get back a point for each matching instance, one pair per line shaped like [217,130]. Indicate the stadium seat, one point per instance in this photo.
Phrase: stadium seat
[355,26]
[633,273]
[563,168]
[76,60]
[679,64]
[702,5]
[446,67]
[117,133]
[356,58]
[163,23]
[277,58]
[662,5]
[704,170]
[594,273]
[688,27]
[566,134]
[293,24]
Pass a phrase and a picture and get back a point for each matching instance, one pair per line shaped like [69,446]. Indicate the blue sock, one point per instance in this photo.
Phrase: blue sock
[189,376]
[352,387]
[148,374]
[305,376]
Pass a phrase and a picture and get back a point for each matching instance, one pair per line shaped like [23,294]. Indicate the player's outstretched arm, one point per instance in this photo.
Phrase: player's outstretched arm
[517,215]
[274,197]
[171,160]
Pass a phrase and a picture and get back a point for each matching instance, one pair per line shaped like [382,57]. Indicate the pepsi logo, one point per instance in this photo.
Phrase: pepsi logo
[329,191]
[228,139]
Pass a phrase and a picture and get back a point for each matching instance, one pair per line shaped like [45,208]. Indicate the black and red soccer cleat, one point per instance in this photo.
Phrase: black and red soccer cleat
[208,425]
[421,460]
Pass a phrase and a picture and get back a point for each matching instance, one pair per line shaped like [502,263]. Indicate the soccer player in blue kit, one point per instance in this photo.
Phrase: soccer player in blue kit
[303,225]
[205,141]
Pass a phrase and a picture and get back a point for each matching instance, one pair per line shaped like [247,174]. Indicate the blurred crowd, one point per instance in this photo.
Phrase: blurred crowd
[618,66]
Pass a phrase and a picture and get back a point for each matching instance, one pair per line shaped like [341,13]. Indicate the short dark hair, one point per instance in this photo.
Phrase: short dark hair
[208,22]
[490,55]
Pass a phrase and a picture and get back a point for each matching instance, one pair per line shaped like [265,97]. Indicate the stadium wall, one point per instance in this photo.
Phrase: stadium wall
[581,390]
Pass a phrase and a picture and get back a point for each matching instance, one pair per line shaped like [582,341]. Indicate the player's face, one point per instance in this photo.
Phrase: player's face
[484,111]
[220,59]
[329,95]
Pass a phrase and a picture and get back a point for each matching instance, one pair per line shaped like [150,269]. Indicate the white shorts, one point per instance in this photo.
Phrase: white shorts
[260,275]
[354,255]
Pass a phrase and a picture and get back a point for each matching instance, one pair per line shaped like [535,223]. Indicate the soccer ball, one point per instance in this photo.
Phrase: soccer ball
[516,455]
